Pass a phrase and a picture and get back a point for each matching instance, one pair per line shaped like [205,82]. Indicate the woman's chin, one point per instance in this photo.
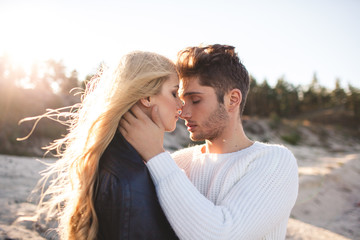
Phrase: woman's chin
[170,129]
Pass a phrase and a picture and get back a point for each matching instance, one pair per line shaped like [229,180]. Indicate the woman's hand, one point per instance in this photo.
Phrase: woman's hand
[144,134]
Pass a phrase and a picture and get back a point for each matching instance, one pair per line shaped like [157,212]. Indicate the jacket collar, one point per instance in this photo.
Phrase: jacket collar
[122,149]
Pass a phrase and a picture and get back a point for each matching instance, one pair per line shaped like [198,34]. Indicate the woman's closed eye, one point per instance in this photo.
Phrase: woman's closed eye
[175,94]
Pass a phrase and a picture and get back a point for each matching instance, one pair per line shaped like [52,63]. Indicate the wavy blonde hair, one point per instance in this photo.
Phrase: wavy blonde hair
[91,126]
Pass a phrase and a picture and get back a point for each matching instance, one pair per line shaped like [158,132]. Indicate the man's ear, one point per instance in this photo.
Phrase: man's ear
[234,99]
[145,102]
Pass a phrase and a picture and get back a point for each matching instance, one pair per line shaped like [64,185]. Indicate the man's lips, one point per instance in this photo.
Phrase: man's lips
[191,127]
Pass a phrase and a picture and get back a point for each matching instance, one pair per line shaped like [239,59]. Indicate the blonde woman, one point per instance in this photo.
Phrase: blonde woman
[102,188]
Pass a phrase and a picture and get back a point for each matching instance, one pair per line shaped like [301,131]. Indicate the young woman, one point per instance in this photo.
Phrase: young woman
[101,187]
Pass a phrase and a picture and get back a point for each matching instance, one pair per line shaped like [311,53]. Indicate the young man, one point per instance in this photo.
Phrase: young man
[230,187]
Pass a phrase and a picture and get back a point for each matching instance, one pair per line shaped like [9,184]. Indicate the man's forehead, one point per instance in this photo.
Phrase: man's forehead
[188,84]
[191,87]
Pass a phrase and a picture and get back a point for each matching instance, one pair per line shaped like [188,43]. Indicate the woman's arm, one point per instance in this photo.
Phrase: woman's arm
[112,205]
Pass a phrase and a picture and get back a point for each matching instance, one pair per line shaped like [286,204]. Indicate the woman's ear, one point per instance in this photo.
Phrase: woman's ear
[235,99]
[145,102]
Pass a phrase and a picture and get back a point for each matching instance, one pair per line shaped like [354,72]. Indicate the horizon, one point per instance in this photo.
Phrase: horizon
[274,40]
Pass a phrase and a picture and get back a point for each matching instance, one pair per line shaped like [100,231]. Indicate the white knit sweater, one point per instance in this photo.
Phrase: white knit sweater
[247,194]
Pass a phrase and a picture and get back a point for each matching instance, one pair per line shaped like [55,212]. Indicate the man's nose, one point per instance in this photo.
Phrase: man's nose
[185,113]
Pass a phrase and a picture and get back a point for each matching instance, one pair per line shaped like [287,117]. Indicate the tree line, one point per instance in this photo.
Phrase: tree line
[48,84]
[289,101]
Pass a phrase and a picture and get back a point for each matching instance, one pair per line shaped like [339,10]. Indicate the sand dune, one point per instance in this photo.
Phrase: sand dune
[328,206]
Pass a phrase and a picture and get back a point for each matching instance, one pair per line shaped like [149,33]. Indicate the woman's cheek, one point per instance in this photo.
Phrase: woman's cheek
[164,117]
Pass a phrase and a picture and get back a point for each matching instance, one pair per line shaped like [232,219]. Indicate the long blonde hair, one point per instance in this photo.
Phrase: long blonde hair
[92,125]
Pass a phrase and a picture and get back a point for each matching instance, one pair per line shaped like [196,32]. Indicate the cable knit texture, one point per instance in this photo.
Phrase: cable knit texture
[247,194]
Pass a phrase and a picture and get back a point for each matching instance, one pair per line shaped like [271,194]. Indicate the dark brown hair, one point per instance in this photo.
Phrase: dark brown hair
[217,66]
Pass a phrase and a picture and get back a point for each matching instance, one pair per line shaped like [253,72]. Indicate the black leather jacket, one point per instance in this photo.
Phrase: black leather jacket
[125,200]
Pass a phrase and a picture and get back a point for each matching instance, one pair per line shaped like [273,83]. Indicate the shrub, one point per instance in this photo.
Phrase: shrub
[292,138]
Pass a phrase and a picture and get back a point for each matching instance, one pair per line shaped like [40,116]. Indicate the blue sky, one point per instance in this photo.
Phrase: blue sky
[290,39]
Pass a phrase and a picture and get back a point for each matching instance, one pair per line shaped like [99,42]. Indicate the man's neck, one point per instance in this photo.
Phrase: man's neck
[233,139]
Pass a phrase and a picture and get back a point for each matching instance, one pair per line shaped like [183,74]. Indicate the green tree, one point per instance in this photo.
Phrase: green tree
[354,101]
[267,99]
[310,100]
[287,99]
[250,107]
[338,95]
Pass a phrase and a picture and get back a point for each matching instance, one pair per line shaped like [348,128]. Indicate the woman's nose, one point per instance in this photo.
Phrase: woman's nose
[179,104]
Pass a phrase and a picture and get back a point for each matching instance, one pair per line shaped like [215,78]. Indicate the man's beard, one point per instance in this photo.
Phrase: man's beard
[214,126]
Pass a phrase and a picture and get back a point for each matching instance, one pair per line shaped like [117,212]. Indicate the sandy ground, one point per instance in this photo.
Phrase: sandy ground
[328,206]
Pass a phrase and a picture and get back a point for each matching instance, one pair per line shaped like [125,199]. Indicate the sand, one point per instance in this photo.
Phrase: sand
[328,206]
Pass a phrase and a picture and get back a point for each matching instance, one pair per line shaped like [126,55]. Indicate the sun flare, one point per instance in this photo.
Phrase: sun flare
[28,36]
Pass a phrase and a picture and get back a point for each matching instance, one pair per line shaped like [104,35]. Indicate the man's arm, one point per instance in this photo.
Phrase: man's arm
[256,203]
[259,201]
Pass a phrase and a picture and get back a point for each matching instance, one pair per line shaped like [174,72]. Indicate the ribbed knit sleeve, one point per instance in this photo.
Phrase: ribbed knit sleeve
[255,192]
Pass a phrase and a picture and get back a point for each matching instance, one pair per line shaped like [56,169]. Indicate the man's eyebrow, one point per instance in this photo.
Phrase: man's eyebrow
[191,93]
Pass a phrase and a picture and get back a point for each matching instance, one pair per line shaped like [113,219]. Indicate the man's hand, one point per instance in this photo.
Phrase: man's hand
[144,134]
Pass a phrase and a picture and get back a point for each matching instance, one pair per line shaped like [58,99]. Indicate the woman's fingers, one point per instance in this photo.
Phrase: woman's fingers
[129,116]
[137,113]
[122,131]
[138,129]
[123,125]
